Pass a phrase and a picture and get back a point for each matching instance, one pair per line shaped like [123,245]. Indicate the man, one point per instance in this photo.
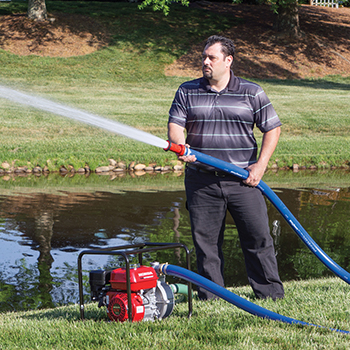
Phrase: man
[218,113]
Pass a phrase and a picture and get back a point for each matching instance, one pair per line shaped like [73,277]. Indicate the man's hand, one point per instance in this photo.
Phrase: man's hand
[188,159]
[256,172]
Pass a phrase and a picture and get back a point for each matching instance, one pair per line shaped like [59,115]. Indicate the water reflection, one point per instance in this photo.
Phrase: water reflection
[41,235]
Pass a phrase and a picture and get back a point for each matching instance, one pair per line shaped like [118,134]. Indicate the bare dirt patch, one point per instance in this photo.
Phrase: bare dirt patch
[323,48]
[63,35]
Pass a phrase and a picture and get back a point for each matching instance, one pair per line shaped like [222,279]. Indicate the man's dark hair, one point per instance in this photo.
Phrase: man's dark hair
[227,46]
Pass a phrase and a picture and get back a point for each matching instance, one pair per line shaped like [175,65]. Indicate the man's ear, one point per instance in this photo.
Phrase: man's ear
[229,60]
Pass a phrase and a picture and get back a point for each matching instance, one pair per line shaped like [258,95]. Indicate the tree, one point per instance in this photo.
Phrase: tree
[286,17]
[37,10]
[286,12]
[162,5]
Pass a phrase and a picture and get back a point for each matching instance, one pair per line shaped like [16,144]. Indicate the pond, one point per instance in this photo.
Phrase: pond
[46,222]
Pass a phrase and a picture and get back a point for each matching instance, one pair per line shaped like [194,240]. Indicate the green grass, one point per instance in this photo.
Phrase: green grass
[213,325]
[125,82]
[315,117]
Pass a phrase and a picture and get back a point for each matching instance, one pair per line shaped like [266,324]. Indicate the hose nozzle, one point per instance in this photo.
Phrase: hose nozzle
[178,149]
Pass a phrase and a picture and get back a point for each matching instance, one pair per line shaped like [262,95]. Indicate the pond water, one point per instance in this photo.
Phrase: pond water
[45,224]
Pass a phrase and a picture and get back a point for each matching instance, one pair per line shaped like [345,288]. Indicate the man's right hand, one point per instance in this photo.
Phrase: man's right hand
[188,159]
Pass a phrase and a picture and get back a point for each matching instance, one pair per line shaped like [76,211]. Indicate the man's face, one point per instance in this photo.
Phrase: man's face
[214,64]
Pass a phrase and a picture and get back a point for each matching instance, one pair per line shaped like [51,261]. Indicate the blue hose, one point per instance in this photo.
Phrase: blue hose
[225,294]
[288,216]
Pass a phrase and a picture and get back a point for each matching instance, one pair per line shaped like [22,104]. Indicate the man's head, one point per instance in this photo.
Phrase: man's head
[217,57]
[227,46]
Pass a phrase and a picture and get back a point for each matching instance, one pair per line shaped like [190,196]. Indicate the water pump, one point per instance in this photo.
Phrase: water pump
[151,297]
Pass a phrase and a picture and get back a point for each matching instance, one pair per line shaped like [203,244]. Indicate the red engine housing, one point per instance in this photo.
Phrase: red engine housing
[151,297]
[143,277]
[117,309]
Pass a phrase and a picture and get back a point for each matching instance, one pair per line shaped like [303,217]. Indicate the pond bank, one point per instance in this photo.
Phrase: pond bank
[137,169]
[113,167]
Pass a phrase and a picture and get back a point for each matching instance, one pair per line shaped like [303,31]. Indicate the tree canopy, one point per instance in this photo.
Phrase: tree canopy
[286,12]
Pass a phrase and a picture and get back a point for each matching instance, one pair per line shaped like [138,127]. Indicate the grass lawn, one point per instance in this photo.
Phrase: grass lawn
[125,82]
[213,325]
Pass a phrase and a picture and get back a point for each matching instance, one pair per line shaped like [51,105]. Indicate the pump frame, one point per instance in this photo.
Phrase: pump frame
[124,251]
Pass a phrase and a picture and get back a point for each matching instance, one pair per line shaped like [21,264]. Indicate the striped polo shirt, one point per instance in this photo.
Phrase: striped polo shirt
[221,124]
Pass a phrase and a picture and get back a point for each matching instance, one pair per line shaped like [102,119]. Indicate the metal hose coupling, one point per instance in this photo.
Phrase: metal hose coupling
[159,268]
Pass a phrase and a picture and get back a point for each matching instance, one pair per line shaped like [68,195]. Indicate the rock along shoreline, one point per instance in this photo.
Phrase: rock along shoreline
[113,167]
[120,168]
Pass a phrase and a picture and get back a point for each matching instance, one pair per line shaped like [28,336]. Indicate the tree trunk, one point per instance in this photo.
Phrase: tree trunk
[287,19]
[37,10]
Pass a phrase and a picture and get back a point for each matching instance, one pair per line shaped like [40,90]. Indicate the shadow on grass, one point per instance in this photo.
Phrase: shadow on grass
[69,313]
[333,83]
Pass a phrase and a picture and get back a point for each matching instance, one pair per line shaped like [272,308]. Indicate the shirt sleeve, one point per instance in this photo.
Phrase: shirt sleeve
[265,115]
[178,110]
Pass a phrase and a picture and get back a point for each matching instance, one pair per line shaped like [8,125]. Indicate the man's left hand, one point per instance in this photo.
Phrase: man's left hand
[256,172]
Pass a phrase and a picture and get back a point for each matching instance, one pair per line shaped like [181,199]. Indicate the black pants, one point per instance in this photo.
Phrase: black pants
[209,197]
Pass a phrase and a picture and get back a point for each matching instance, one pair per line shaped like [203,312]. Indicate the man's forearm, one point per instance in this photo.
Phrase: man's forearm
[176,134]
[268,146]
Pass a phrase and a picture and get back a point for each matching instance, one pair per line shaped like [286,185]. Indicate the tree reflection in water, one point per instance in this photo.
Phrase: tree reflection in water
[56,227]
[43,235]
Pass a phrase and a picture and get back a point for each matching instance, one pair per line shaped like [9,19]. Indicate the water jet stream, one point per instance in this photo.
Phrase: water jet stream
[81,116]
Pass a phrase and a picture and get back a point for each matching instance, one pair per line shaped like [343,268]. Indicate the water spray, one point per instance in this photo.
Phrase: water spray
[81,116]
